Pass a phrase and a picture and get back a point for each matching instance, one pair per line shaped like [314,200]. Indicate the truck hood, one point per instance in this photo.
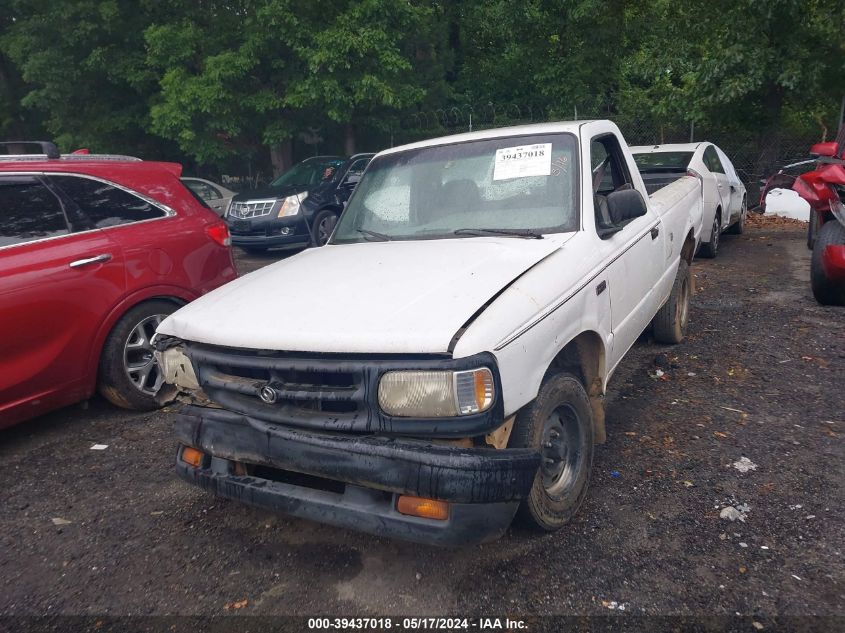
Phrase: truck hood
[373,297]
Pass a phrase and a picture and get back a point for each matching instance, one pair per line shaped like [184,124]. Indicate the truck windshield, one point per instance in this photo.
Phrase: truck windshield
[519,186]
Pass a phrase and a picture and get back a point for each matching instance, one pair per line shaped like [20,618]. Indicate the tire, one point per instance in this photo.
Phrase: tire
[559,422]
[711,249]
[670,322]
[825,291]
[254,250]
[323,225]
[738,227]
[811,229]
[129,344]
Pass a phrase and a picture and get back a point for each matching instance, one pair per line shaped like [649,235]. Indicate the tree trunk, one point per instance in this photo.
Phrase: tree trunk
[350,139]
[281,156]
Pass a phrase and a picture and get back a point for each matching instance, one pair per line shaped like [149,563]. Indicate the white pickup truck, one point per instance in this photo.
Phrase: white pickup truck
[440,365]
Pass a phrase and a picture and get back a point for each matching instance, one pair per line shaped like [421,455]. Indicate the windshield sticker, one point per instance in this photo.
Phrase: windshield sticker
[522,161]
[560,166]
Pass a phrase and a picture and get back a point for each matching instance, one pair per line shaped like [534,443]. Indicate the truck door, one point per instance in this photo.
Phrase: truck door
[634,250]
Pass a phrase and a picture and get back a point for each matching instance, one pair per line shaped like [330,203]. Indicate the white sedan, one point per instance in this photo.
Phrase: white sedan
[215,196]
[725,203]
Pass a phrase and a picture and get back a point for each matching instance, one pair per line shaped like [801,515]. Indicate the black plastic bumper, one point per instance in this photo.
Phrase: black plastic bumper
[262,241]
[482,485]
[266,231]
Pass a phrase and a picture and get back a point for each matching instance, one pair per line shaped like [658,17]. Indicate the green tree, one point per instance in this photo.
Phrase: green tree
[83,62]
[361,57]
[225,69]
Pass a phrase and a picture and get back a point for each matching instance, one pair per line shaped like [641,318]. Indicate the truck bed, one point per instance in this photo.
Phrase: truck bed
[657,178]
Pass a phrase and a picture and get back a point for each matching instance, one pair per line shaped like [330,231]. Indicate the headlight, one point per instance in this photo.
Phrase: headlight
[435,394]
[291,204]
[177,369]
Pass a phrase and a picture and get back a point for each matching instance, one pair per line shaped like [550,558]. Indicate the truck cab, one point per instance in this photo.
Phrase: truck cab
[489,284]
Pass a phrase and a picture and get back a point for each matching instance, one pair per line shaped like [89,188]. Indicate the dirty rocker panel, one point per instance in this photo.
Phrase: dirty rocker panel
[332,393]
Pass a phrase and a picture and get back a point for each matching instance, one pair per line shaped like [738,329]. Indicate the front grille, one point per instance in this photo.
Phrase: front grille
[251,208]
[306,392]
[326,392]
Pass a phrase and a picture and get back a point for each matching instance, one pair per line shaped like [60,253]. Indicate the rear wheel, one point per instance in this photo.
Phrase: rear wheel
[670,322]
[711,248]
[129,375]
[324,224]
[826,291]
[559,423]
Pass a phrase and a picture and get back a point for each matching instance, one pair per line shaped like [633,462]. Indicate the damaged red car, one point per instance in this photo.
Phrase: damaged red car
[95,251]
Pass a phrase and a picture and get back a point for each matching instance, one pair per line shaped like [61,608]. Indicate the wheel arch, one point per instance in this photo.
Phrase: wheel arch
[688,249]
[585,357]
[177,296]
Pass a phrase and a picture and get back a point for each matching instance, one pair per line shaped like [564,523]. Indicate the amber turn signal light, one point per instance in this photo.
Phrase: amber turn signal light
[420,507]
[192,456]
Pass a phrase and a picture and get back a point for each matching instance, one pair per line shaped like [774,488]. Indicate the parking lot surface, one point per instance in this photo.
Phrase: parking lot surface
[746,414]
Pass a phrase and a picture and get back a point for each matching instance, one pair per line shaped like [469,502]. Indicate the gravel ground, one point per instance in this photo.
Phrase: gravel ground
[760,377]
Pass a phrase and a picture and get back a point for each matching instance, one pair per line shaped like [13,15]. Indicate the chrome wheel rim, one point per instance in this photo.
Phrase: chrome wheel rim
[714,240]
[560,451]
[139,361]
[325,228]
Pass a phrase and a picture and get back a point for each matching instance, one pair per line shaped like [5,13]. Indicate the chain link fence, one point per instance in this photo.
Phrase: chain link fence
[755,159]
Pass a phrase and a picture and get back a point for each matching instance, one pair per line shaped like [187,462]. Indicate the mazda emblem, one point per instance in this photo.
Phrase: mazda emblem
[268,394]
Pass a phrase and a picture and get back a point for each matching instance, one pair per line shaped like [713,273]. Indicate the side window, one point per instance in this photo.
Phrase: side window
[610,173]
[711,159]
[727,164]
[357,168]
[28,211]
[609,170]
[105,205]
[202,189]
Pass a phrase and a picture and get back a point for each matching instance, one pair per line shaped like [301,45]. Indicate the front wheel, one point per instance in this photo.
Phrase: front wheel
[324,224]
[129,375]
[826,291]
[670,322]
[558,423]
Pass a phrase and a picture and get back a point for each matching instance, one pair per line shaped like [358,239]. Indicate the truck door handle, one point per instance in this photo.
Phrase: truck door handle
[97,259]
[601,287]
[655,232]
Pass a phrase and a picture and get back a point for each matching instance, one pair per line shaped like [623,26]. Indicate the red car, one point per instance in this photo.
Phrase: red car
[94,252]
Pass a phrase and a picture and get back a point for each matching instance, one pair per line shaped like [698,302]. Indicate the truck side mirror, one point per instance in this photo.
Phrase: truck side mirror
[625,205]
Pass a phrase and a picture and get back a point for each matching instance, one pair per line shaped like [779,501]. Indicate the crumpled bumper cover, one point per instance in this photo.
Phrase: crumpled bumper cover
[482,485]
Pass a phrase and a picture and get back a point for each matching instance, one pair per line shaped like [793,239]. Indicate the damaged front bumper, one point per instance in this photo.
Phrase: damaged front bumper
[355,480]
